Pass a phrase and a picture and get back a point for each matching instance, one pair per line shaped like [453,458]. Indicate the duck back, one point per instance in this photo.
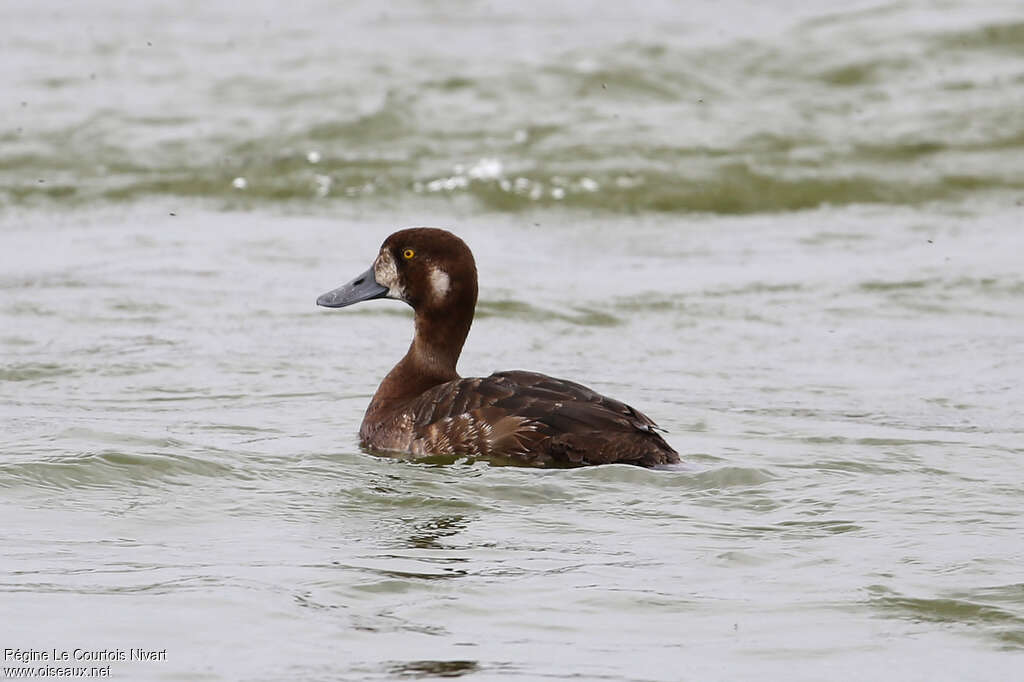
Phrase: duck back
[521,418]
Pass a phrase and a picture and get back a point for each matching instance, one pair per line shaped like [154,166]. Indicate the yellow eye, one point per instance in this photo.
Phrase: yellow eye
[408,253]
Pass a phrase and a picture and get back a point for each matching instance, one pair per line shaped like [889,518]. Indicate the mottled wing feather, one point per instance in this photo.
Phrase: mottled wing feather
[533,418]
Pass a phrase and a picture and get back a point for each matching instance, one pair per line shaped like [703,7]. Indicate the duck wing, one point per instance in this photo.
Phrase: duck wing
[532,418]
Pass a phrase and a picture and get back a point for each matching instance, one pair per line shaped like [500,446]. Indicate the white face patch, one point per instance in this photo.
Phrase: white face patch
[386,274]
[439,282]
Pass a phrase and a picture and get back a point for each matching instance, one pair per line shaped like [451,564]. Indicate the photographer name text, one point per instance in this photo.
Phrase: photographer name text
[84,655]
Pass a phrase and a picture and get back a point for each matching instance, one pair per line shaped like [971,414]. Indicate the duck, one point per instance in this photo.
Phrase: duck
[424,408]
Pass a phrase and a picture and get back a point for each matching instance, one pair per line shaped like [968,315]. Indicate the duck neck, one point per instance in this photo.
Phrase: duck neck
[431,357]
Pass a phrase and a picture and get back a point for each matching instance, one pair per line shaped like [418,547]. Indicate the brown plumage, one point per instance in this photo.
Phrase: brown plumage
[423,407]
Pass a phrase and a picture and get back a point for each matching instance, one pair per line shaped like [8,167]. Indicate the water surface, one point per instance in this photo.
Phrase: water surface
[793,241]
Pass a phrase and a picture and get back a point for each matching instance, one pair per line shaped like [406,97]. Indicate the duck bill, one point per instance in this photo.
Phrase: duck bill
[362,288]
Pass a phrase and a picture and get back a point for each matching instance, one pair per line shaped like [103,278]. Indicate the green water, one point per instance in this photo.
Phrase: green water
[790,235]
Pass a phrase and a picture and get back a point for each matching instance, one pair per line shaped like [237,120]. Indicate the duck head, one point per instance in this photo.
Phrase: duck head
[428,268]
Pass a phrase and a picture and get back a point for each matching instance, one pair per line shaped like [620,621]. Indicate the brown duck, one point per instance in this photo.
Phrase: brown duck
[423,406]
